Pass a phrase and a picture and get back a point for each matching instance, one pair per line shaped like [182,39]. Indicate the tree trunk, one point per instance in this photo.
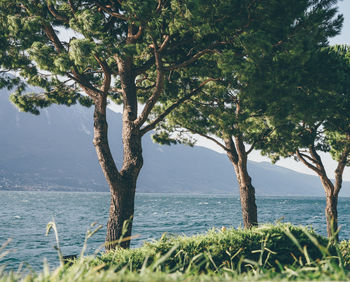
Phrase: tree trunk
[122,184]
[249,209]
[331,190]
[247,196]
[332,215]
[239,157]
[121,214]
[331,205]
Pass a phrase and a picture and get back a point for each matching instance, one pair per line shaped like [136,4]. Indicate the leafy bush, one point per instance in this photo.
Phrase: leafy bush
[270,246]
[344,247]
[215,256]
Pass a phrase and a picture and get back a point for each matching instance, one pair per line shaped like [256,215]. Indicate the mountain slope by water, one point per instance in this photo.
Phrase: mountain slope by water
[54,151]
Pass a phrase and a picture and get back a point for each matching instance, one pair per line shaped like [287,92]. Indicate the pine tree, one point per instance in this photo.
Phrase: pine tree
[318,121]
[257,69]
[100,51]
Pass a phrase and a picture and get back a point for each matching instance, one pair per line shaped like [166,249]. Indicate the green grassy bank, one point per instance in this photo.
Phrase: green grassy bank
[270,252]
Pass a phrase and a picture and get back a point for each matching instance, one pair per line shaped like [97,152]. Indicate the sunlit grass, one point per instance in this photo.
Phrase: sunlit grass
[269,252]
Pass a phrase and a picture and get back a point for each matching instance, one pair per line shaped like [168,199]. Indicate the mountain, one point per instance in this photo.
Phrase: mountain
[54,151]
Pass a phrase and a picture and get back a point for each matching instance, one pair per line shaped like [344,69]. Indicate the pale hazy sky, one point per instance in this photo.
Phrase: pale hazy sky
[343,38]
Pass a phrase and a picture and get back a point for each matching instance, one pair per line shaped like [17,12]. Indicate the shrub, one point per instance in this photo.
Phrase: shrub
[268,245]
[344,247]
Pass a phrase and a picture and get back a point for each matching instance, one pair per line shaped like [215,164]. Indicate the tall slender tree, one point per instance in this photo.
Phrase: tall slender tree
[319,121]
[262,62]
[220,116]
[119,51]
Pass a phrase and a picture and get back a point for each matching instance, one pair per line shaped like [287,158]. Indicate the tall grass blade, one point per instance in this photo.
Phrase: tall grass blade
[52,226]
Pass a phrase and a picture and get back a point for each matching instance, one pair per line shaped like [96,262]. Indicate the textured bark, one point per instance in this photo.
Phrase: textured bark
[314,162]
[248,205]
[332,215]
[132,147]
[122,184]
[331,211]
[100,141]
[121,214]
[331,192]
[238,156]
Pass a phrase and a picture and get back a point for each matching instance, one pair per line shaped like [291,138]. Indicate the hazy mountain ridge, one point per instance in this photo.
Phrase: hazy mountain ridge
[54,151]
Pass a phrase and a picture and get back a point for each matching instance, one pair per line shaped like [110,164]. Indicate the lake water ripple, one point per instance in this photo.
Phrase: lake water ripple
[24,216]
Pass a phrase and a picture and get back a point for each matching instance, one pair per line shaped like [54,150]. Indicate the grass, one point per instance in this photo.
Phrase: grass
[270,252]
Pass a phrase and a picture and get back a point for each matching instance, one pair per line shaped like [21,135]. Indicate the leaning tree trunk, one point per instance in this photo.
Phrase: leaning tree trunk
[239,157]
[332,215]
[247,195]
[331,190]
[331,211]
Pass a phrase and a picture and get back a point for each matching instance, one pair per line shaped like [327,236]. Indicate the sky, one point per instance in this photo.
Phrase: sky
[330,165]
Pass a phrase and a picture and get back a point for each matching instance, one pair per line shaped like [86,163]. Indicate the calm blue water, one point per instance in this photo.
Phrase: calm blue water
[24,216]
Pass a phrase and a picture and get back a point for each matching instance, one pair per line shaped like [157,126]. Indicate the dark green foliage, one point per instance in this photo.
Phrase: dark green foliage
[259,70]
[344,247]
[317,112]
[66,65]
[232,248]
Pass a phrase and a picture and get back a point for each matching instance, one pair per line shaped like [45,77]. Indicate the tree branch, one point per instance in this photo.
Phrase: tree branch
[79,78]
[251,147]
[167,111]
[340,169]
[111,13]
[207,137]
[240,148]
[86,85]
[261,138]
[159,7]
[72,7]
[149,63]
[189,61]
[55,14]
[196,56]
[308,157]
[117,90]
[138,34]
[309,165]
[165,42]
[51,34]
[317,158]
[107,74]
[232,150]
[156,92]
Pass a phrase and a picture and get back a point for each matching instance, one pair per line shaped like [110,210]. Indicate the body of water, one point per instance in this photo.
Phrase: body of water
[24,216]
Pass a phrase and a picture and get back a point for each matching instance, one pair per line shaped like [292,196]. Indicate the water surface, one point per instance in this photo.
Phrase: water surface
[24,216]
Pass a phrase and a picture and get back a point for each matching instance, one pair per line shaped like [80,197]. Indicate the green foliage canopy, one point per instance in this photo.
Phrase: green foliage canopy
[63,47]
[256,76]
[318,114]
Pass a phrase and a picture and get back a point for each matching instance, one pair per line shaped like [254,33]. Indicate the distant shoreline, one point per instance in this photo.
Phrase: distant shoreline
[167,193]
